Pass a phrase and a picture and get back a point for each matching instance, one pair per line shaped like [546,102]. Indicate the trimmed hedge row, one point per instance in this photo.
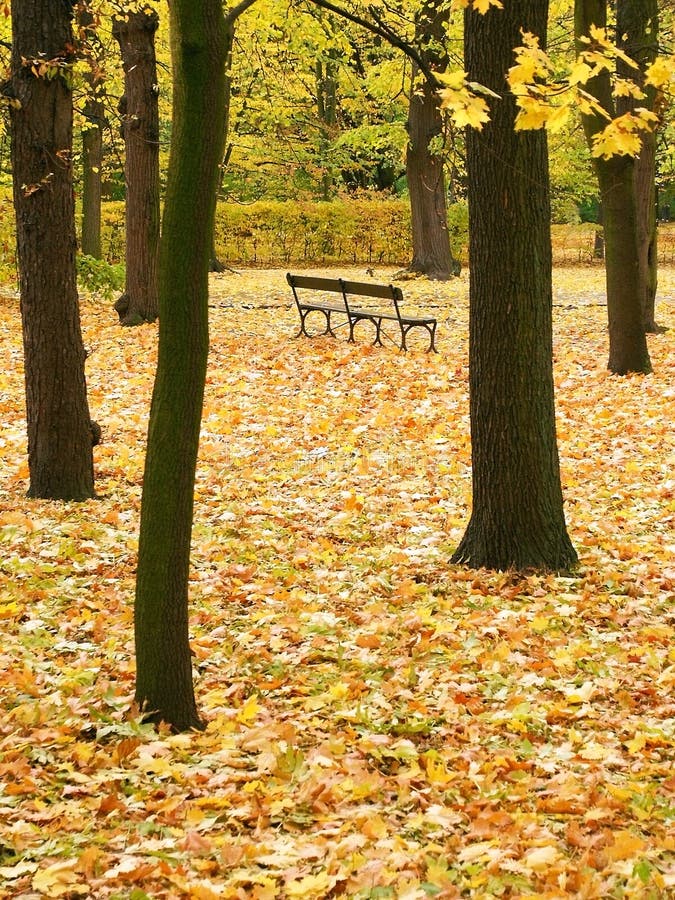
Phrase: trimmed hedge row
[275,233]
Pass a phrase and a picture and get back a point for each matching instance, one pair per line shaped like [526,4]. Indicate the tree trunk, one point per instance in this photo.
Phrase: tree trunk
[60,456]
[627,342]
[92,160]
[216,264]
[647,231]
[432,255]
[92,141]
[325,77]
[140,128]
[517,520]
[164,689]
[637,27]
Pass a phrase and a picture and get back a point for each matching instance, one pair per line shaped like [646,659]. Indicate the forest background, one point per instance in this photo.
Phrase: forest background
[318,112]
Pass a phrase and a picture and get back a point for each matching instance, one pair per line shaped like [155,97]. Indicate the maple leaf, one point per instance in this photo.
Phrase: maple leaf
[465,108]
[661,72]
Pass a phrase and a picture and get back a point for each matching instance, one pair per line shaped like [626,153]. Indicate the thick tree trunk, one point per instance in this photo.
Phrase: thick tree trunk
[637,27]
[140,127]
[627,342]
[59,428]
[164,688]
[517,520]
[432,255]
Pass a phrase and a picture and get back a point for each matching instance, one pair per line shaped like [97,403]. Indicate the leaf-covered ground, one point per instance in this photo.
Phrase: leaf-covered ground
[380,724]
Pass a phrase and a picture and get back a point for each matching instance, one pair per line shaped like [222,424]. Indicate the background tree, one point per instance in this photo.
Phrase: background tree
[92,133]
[628,350]
[425,164]
[60,432]
[517,519]
[200,40]
[135,32]
[637,29]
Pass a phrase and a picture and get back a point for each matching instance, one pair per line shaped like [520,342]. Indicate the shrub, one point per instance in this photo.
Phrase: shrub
[100,277]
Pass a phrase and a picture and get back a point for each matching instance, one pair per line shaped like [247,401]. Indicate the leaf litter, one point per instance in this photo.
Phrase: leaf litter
[379,723]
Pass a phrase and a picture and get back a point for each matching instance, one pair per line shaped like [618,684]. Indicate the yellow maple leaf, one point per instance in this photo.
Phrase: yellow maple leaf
[626,845]
[524,71]
[482,6]
[453,80]
[249,710]
[557,118]
[59,879]
[309,886]
[581,694]
[465,108]
[660,72]
[594,751]
[532,114]
[541,858]
[580,73]
[624,87]
[621,137]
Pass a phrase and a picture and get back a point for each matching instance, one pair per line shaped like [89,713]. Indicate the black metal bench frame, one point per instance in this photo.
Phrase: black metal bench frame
[355,314]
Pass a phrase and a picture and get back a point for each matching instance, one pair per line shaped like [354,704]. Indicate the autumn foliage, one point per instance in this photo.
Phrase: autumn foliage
[379,724]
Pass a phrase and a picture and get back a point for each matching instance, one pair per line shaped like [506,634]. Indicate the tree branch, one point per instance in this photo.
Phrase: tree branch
[381,29]
[233,14]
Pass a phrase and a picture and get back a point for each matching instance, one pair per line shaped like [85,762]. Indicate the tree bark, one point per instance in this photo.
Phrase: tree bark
[140,128]
[60,432]
[200,41]
[637,27]
[628,350]
[432,255]
[517,519]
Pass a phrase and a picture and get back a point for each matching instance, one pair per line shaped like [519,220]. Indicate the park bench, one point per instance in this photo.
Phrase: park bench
[348,305]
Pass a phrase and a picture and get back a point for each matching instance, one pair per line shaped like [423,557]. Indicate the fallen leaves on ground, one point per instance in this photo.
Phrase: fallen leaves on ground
[380,724]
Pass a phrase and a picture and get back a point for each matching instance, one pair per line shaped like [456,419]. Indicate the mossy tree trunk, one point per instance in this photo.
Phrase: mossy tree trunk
[164,689]
[140,128]
[60,456]
[517,520]
[628,350]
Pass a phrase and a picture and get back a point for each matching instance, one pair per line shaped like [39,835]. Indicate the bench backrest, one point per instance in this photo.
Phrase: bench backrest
[346,288]
[316,283]
[365,289]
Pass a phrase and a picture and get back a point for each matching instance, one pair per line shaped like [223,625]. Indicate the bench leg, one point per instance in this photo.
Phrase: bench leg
[432,335]
[303,328]
[377,322]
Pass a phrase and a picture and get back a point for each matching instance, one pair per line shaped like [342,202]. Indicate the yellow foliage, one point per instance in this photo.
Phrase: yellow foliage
[660,72]
[621,136]
[465,108]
